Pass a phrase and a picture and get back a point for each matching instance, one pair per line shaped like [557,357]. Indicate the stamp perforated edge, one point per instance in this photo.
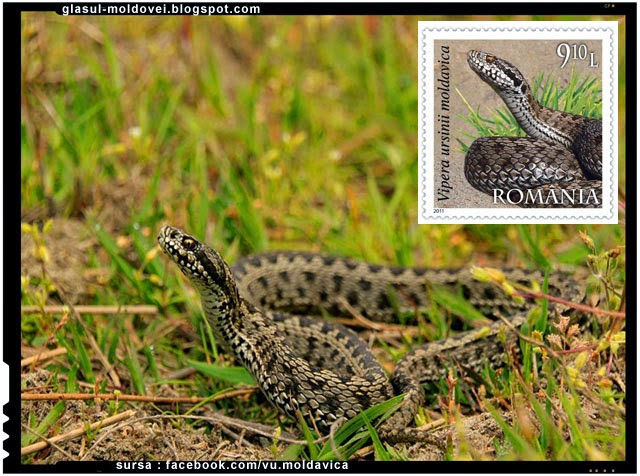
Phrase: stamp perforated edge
[606,31]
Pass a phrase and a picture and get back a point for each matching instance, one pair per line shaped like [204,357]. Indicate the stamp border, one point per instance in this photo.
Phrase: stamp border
[606,31]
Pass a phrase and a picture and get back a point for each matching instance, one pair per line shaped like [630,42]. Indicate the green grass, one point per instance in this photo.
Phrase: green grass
[268,133]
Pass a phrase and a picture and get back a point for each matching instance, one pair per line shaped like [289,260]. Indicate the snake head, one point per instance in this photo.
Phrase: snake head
[204,267]
[501,75]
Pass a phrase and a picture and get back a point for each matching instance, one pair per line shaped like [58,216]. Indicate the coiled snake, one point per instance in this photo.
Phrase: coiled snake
[259,310]
[563,151]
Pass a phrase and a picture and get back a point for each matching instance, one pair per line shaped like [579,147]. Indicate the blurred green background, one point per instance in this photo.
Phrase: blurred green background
[252,133]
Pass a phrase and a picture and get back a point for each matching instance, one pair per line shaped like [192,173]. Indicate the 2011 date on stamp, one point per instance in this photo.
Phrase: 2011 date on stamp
[518,122]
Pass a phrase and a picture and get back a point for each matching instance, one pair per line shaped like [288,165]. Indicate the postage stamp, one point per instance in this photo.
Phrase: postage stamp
[518,122]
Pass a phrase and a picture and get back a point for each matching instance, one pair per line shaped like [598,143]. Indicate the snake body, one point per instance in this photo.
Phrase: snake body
[563,151]
[320,369]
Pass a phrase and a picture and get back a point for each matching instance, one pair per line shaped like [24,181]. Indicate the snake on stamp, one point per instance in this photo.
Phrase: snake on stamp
[563,150]
[261,312]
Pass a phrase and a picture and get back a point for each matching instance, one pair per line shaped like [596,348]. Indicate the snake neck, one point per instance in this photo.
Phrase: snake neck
[220,302]
[234,321]
[530,115]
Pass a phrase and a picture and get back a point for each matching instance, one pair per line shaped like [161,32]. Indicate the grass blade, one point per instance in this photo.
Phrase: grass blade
[235,375]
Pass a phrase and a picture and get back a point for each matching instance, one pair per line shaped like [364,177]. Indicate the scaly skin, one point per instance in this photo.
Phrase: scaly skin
[322,369]
[563,151]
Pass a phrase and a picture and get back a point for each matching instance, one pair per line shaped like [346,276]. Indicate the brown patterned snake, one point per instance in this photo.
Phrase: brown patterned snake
[320,368]
[563,151]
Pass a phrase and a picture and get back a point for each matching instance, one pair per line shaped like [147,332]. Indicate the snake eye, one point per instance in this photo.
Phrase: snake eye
[188,244]
[490,58]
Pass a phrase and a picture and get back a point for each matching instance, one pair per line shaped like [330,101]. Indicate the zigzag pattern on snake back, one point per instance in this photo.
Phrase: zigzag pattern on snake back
[258,311]
[563,151]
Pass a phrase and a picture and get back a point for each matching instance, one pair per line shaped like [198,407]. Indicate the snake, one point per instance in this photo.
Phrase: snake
[559,164]
[264,311]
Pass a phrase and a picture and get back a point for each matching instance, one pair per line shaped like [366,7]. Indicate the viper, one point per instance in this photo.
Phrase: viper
[563,150]
[261,311]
